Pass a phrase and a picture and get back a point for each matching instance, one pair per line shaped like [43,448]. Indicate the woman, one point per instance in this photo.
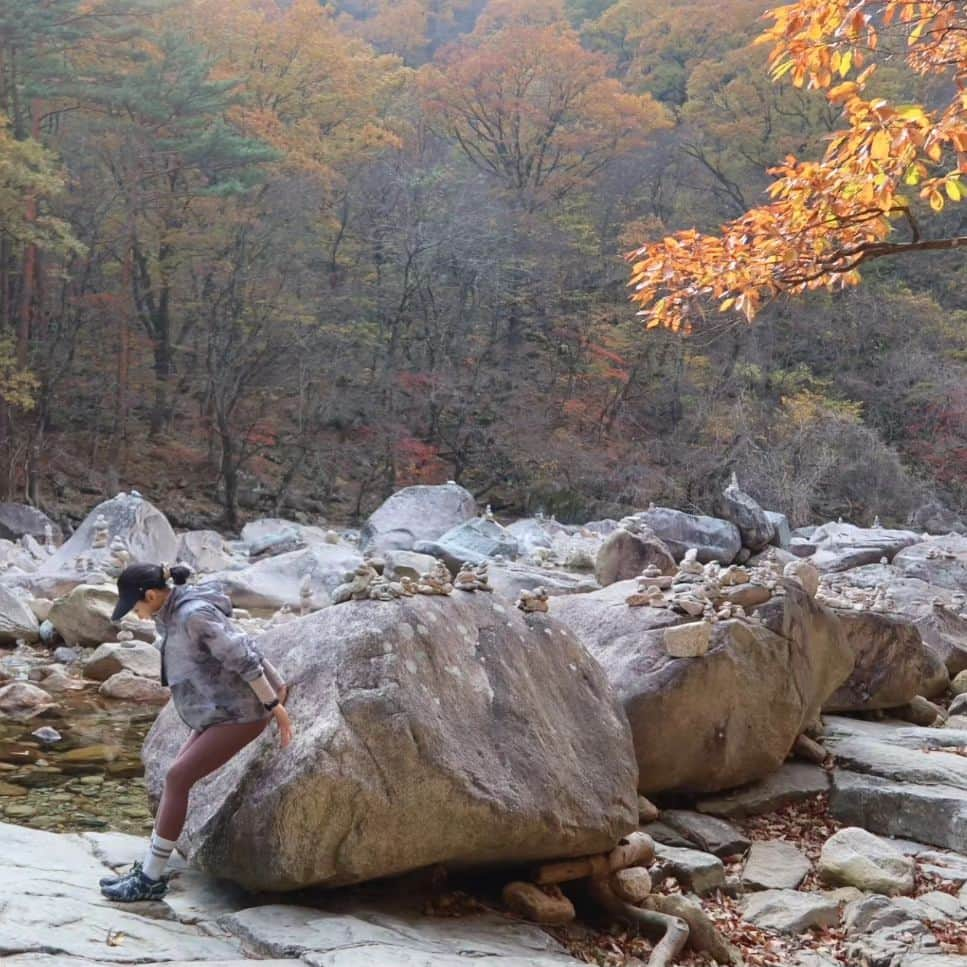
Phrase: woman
[221,686]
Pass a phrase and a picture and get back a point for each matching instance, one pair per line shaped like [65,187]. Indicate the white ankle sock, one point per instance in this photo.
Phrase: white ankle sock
[157,856]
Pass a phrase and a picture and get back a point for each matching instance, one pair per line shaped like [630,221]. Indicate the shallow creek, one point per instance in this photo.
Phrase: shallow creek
[89,779]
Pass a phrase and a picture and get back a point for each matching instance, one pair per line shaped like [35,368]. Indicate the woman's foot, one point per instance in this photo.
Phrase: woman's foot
[135,886]
[114,877]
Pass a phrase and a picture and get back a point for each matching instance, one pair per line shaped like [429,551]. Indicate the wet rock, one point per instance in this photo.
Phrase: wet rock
[128,687]
[21,700]
[113,657]
[47,735]
[774,865]
[788,911]
[417,513]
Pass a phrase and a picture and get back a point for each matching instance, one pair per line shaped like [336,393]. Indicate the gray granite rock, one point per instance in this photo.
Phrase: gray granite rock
[789,911]
[705,832]
[697,871]
[794,782]
[774,865]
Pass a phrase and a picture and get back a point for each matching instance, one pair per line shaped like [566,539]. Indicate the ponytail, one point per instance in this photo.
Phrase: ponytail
[179,574]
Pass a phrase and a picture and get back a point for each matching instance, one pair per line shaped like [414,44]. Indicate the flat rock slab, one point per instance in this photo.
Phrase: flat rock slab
[900,780]
[52,907]
[696,871]
[794,782]
[774,865]
[788,911]
[929,814]
[708,833]
[58,960]
[365,937]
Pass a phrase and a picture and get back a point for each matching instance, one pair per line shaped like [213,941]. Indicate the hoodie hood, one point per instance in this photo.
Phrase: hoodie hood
[180,596]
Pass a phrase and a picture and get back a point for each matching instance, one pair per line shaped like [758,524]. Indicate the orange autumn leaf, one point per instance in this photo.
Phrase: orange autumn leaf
[827,217]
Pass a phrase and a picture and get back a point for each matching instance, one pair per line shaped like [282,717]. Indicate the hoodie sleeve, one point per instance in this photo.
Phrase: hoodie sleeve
[233,648]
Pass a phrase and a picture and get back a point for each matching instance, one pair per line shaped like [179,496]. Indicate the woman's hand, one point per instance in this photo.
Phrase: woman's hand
[284,723]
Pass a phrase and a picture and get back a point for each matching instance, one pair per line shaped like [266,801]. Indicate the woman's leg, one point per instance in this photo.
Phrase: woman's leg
[201,755]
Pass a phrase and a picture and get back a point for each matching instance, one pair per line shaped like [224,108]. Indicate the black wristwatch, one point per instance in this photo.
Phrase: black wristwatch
[271,705]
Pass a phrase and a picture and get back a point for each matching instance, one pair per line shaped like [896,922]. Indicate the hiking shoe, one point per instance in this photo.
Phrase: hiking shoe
[114,877]
[135,886]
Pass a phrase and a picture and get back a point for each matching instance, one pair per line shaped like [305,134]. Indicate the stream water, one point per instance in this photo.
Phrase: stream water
[90,778]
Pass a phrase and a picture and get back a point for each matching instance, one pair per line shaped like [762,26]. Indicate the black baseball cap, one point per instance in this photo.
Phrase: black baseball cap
[134,581]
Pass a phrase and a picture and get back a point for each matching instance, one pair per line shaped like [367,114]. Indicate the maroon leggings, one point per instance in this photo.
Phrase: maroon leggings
[203,753]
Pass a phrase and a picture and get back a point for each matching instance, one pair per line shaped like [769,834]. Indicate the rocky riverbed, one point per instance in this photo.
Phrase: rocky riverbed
[87,778]
[480,712]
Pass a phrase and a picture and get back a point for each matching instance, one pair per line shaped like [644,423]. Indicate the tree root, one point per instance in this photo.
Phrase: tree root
[673,930]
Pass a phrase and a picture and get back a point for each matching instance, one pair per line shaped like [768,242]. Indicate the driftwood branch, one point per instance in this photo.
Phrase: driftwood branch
[635,849]
[673,930]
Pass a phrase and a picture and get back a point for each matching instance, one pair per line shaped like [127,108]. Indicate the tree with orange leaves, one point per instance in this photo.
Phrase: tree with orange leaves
[863,199]
[529,106]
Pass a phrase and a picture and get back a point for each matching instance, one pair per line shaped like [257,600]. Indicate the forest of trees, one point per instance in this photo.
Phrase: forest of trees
[261,256]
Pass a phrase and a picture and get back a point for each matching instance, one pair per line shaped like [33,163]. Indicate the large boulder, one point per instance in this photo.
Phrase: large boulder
[275,582]
[729,717]
[428,730]
[83,617]
[844,546]
[934,518]
[754,526]
[941,562]
[945,631]
[625,554]
[475,540]
[421,513]
[145,530]
[715,540]
[17,520]
[17,620]
[890,663]
[205,552]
